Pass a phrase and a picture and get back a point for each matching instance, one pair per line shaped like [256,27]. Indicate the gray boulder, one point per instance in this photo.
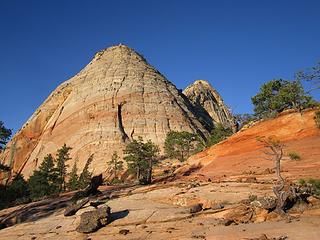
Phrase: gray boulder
[93,220]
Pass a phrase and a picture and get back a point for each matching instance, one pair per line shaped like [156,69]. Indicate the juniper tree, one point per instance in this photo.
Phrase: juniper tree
[311,75]
[85,176]
[278,95]
[63,156]
[274,151]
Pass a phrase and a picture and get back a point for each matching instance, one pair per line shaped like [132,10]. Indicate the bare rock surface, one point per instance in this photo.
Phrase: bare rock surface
[241,154]
[209,104]
[148,212]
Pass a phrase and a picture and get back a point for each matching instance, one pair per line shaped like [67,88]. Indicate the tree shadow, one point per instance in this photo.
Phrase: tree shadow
[118,215]
[33,211]
[44,208]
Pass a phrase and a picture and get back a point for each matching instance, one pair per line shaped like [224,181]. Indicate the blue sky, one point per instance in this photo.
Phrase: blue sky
[235,45]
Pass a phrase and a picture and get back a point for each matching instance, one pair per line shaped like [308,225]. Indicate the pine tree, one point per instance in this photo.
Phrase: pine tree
[85,176]
[116,164]
[62,158]
[17,189]
[45,181]
[181,145]
[140,158]
[4,135]
[73,183]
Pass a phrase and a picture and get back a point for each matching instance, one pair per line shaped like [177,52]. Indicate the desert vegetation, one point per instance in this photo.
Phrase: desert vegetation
[181,145]
[50,179]
[218,134]
[5,135]
[294,156]
[141,157]
[278,95]
[116,165]
[314,183]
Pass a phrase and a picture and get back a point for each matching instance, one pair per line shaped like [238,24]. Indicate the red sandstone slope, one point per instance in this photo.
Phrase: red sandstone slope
[242,153]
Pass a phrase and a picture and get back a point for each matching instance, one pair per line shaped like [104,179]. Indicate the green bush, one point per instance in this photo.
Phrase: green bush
[294,156]
[315,183]
[218,134]
[181,145]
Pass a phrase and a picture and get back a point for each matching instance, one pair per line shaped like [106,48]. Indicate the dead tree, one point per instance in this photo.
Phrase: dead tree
[274,151]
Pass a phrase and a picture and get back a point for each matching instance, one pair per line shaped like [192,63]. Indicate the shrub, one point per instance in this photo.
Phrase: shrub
[317,118]
[315,183]
[294,156]
[218,134]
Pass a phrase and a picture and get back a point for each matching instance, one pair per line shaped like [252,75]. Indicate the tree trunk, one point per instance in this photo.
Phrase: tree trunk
[138,173]
[149,176]
[278,188]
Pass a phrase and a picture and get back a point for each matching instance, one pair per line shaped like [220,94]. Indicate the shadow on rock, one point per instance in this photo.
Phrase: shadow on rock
[118,215]
[33,211]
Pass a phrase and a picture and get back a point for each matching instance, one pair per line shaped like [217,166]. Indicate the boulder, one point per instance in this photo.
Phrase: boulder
[91,189]
[73,208]
[240,214]
[93,220]
[195,208]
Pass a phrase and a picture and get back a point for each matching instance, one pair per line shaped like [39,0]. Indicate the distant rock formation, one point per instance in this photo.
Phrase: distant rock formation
[209,104]
[117,97]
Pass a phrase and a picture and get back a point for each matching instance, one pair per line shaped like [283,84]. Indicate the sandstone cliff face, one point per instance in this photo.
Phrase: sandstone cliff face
[118,96]
[209,104]
[241,152]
